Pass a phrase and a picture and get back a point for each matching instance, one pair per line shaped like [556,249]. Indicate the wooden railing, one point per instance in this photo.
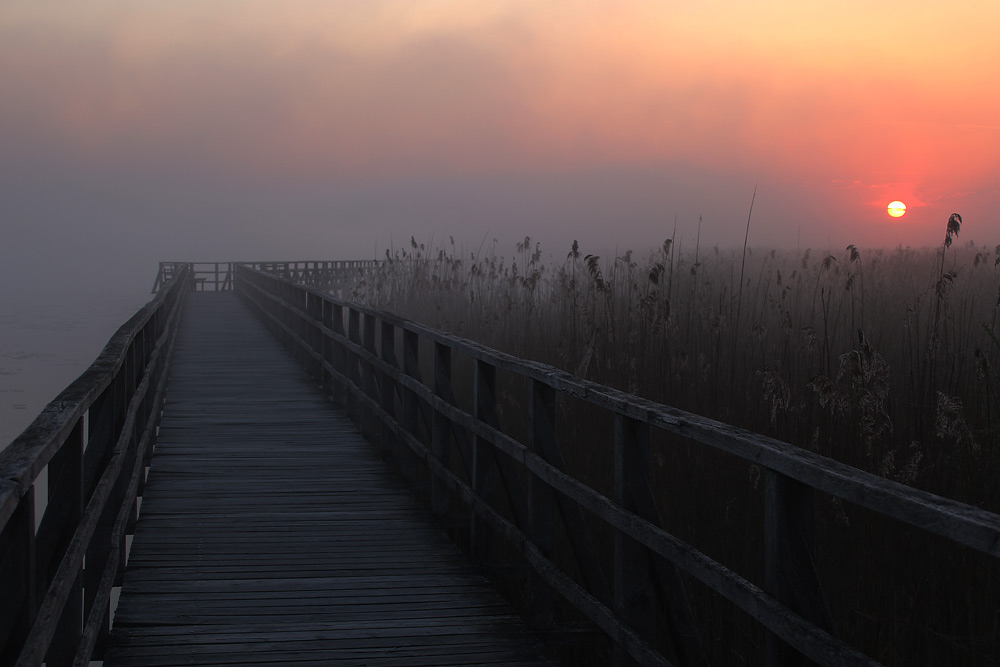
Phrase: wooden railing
[62,550]
[399,380]
[218,276]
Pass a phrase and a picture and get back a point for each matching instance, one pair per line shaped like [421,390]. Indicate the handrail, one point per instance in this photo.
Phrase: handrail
[336,339]
[94,441]
[218,276]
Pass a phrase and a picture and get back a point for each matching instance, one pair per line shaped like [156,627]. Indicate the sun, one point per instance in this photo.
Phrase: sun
[896,209]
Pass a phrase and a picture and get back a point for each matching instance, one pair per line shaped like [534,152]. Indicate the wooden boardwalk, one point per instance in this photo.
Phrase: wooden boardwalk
[271,533]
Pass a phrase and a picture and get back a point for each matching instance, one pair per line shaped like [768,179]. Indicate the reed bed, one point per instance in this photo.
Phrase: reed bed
[885,359]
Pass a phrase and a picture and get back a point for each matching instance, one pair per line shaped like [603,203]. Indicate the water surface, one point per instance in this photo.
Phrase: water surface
[48,339]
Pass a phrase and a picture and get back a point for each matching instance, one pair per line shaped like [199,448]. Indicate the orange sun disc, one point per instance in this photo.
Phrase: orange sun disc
[896,209]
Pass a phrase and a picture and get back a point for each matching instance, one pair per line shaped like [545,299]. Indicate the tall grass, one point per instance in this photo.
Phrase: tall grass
[884,359]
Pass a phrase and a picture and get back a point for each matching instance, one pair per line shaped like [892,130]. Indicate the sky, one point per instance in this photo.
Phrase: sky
[333,129]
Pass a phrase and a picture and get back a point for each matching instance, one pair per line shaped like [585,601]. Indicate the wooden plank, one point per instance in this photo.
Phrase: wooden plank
[270,532]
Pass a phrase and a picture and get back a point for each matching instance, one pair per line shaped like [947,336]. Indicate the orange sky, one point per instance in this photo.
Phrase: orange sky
[600,119]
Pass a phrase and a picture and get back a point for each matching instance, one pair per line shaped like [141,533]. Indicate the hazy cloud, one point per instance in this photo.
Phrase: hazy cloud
[257,129]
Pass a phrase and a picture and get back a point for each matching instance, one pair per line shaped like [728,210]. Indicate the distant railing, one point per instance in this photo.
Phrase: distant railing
[62,551]
[218,276]
[378,365]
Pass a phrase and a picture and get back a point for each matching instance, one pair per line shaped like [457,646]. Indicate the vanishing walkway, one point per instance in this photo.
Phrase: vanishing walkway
[270,532]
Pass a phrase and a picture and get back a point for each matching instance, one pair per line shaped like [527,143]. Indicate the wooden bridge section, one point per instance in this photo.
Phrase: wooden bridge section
[270,531]
[219,276]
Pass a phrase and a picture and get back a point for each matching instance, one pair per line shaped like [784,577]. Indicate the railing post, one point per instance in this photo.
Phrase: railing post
[411,414]
[541,436]
[631,565]
[337,352]
[119,493]
[487,463]
[296,322]
[151,333]
[65,507]
[369,378]
[99,550]
[388,387]
[159,279]
[326,345]
[304,326]
[441,426]
[18,578]
[100,438]
[789,563]
[284,315]
[484,390]
[353,372]
[315,310]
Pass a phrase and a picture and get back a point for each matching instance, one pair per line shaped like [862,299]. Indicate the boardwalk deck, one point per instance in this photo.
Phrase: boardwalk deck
[271,533]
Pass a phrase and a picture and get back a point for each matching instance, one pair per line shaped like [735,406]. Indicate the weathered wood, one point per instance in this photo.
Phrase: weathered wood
[65,507]
[270,531]
[951,519]
[353,362]
[339,360]
[543,442]
[789,562]
[68,632]
[369,376]
[113,390]
[100,439]
[314,305]
[326,349]
[99,535]
[64,504]
[411,370]
[546,572]
[632,586]
[484,383]
[811,640]
[441,428]
[541,418]
[645,575]
[17,569]
[84,487]
[634,515]
[387,386]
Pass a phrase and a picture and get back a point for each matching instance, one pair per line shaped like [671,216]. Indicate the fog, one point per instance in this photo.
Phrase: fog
[222,131]
[191,131]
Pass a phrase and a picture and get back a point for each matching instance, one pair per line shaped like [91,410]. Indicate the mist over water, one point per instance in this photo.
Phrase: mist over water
[192,131]
[49,339]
